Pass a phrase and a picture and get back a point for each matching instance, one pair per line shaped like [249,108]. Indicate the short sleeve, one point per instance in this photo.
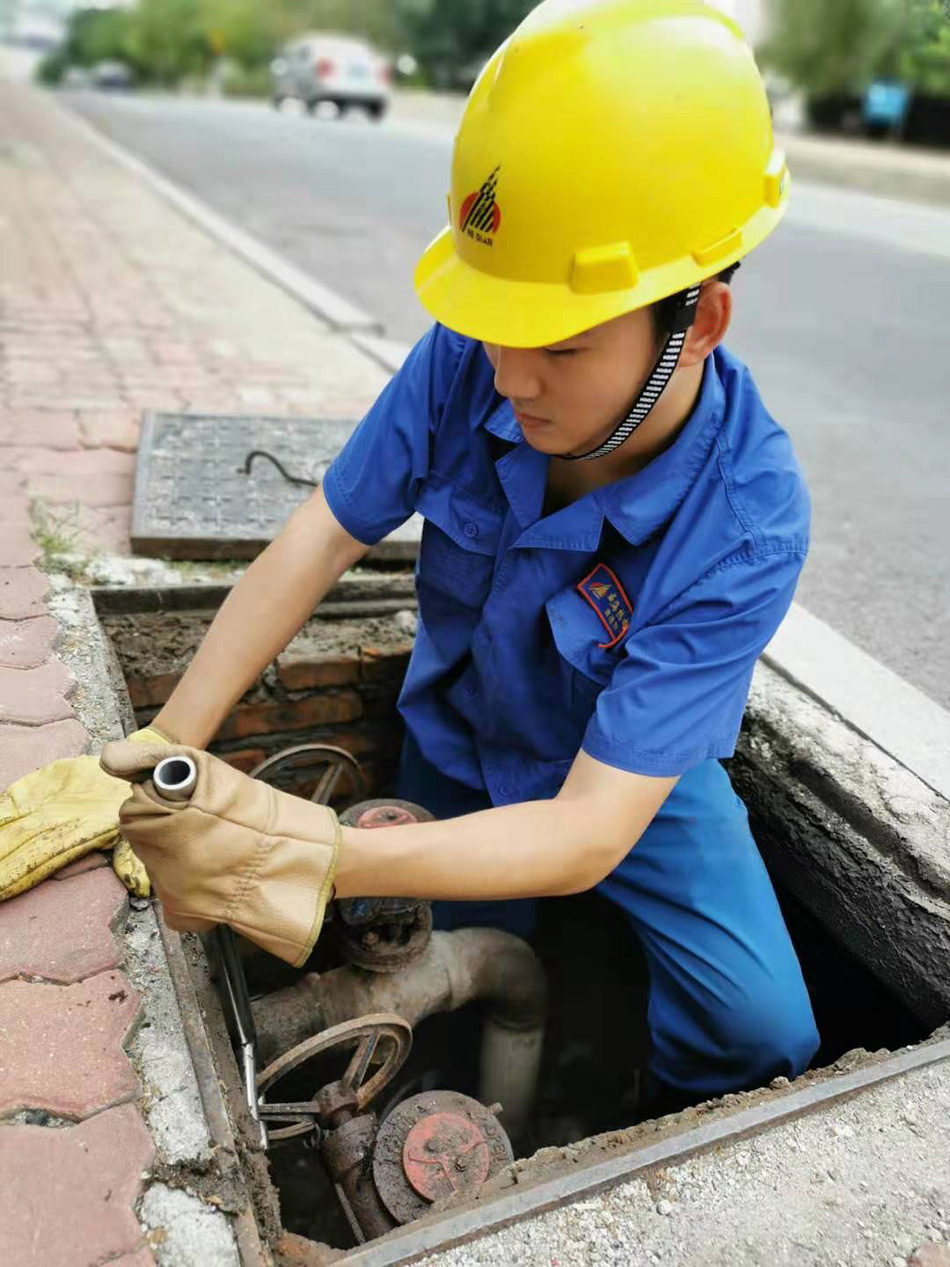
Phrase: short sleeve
[677,696]
[371,486]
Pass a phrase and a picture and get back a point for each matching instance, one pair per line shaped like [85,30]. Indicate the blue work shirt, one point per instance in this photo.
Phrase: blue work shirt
[626,623]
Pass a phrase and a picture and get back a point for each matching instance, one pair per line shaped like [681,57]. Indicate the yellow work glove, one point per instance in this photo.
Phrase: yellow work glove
[62,812]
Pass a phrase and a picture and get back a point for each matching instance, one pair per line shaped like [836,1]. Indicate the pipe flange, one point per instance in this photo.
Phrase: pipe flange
[435,1145]
[382,934]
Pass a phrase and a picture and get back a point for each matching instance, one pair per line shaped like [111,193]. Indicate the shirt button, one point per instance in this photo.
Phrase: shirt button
[470,529]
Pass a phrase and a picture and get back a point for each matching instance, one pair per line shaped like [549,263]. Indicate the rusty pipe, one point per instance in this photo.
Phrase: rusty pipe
[472,964]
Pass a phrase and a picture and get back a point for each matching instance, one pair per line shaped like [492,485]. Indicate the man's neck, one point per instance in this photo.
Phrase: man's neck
[568,480]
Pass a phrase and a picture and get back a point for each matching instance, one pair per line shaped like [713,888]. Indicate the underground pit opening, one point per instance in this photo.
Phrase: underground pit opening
[337,684]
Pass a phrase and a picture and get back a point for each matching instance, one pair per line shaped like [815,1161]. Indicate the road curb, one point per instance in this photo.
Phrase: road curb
[922,177]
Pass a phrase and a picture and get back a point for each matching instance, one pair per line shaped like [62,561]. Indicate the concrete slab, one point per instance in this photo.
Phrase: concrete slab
[63,932]
[874,701]
[160,1052]
[65,1189]
[185,1231]
[852,833]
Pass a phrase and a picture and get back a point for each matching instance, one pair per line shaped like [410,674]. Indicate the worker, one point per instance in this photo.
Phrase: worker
[614,529]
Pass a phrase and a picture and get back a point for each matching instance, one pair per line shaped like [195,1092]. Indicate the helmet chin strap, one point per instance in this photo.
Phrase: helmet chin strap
[678,313]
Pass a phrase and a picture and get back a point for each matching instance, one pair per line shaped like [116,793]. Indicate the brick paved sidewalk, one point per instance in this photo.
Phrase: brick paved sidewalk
[110,303]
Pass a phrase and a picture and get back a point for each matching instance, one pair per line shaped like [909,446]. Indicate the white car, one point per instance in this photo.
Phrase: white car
[318,67]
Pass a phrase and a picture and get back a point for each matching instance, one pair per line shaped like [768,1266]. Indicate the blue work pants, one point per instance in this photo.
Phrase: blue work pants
[728,1006]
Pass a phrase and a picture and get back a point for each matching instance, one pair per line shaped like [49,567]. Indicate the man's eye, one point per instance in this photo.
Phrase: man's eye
[562,351]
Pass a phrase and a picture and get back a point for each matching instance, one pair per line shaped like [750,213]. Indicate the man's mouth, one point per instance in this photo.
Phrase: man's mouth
[529,420]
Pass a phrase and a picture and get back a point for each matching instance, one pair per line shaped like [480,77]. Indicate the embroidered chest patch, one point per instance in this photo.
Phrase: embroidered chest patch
[603,591]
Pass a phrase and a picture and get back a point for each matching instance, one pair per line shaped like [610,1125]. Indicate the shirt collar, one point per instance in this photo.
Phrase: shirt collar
[502,422]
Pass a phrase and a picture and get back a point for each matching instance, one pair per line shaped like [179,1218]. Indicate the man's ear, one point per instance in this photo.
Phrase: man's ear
[713,314]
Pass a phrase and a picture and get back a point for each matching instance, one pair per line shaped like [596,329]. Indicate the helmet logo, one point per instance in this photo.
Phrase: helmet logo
[481,215]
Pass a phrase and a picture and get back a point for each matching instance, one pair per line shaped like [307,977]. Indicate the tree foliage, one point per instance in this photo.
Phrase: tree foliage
[925,55]
[840,46]
[450,38]
[832,46]
[167,40]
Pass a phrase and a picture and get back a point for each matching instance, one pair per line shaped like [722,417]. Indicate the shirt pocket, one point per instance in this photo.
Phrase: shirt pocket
[586,667]
[459,542]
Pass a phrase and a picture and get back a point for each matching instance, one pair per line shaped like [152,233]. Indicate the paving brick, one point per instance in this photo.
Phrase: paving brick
[15,510]
[26,644]
[17,547]
[26,748]
[303,672]
[36,696]
[314,710]
[43,428]
[61,1046]
[77,465]
[22,593]
[106,527]
[91,862]
[68,1195]
[110,428]
[11,483]
[103,488]
[63,932]
[95,477]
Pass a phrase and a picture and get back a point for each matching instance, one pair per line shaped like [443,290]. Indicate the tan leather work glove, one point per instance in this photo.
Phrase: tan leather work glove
[237,852]
[62,812]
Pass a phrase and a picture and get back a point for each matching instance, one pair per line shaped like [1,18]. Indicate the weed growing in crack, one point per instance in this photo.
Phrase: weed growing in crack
[59,534]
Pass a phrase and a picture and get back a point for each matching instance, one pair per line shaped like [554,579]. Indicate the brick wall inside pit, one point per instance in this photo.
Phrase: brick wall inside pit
[337,683]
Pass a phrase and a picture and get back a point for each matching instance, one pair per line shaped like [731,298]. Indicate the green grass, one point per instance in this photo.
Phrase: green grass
[59,534]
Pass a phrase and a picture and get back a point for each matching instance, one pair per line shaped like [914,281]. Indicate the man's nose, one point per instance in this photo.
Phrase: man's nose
[516,374]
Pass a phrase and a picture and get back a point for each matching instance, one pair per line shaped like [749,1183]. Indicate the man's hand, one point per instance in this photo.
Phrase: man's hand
[60,813]
[237,852]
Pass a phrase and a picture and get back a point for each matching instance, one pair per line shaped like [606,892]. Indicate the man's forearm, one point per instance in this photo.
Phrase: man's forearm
[529,850]
[535,849]
[260,616]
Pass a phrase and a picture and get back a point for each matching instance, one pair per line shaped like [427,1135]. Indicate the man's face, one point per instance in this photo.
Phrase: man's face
[568,397]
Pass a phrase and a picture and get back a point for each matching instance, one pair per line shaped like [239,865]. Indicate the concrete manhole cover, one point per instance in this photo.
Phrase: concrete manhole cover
[193,499]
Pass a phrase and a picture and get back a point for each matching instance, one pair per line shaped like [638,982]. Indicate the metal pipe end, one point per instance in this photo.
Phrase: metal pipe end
[175,778]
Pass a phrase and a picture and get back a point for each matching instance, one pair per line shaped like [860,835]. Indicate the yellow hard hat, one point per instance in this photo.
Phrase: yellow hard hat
[612,153]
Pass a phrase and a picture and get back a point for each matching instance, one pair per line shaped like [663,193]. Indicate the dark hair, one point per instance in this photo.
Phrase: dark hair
[661,311]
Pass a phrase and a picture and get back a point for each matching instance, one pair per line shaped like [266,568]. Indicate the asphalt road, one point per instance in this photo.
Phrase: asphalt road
[842,316]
